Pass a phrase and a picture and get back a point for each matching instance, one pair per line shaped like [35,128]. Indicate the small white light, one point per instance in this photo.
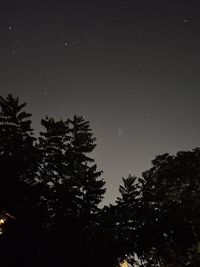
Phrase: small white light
[2,221]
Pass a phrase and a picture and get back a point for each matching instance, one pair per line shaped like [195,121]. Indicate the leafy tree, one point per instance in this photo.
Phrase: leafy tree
[59,193]
[53,168]
[117,235]
[18,167]
[72,190]
[50,189]
[171,202]
[64,147]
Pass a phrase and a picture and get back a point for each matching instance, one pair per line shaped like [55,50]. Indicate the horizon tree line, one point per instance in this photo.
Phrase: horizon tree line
[50,191]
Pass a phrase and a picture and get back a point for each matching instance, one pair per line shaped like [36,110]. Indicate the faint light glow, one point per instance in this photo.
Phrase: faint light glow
[9,215]
[2,221]
[124,263]
[3,218]
[119,132]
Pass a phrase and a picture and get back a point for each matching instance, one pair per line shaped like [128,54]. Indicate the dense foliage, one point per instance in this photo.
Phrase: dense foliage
[50,191]
[49,188]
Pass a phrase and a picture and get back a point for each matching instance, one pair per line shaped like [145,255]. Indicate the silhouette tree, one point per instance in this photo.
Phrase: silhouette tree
[60,194]
[155,222]
[116,236]
[129,217]
[49,191]
[18,167]
[72,188]
[81,168]
[53,169]
[16,153]
[171,202]
[91,188]
[105,244]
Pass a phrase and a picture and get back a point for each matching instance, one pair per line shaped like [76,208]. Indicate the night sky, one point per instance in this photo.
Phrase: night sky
[131,67]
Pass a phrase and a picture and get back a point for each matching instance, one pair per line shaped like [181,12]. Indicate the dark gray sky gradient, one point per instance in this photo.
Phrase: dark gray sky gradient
[131,67]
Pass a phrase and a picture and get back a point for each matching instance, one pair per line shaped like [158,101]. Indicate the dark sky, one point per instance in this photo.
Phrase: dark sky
[132,68]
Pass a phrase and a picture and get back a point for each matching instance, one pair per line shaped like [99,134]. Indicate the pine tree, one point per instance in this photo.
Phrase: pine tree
[18,194]
[17,161]
[60,192]
[73,189]
[128,216]
[115,237]
[84,172]
[65,147]
[82,168]
[128,205]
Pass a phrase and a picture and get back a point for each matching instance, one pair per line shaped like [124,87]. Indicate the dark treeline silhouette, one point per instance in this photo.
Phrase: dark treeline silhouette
[50,191]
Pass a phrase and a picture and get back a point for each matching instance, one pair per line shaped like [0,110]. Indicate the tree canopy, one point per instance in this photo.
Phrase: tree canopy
[51,188]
